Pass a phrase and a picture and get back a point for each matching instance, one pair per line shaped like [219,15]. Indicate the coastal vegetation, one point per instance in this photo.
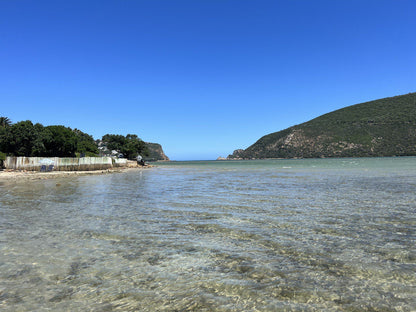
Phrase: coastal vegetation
[27,139]
[129,146]
[385,127]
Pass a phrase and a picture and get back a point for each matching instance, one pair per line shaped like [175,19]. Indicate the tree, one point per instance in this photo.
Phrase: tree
[134,146]
[114,141]
[38,147]
[19,138]
[85,144]
[5,122]
[130,145]
[2,159]
[60,141]
[3,139]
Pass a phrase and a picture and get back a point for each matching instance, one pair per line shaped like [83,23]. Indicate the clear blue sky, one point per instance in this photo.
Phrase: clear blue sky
[200,77]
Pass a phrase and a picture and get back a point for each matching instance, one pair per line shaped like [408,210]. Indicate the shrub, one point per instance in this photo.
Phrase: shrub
[2,159]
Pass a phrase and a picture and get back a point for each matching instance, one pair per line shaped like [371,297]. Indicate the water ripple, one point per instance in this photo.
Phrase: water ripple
[214,237]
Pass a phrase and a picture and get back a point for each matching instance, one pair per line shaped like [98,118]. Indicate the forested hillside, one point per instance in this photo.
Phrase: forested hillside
[385,127]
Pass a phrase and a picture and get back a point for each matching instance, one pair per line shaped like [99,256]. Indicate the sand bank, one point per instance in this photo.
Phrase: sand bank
[23,175]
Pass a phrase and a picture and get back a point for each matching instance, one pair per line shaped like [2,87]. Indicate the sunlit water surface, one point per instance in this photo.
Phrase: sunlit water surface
[278,235]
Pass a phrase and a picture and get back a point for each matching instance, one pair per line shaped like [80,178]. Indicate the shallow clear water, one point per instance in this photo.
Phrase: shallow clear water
[276,235]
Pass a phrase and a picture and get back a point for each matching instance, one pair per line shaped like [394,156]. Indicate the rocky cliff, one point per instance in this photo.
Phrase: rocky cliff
[385,127]
[155,152]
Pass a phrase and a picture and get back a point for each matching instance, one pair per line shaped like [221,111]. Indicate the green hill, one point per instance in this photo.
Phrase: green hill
[385,127]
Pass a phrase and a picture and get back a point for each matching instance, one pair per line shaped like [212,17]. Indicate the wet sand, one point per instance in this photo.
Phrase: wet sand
[12,176]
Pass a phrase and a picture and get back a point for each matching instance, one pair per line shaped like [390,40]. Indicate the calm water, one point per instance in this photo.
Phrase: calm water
[297,235]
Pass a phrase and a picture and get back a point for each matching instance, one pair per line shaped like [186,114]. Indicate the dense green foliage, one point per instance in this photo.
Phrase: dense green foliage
[130,145]
[86,145]
[5,122]
[26,139]
[2,159]
[385,127]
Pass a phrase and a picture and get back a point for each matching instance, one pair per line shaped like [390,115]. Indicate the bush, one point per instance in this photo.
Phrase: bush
[2,159]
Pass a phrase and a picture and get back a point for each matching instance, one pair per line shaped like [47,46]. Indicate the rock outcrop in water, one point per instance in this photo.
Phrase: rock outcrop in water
[385,127]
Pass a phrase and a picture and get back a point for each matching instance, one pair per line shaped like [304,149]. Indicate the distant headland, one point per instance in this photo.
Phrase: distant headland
[384,127]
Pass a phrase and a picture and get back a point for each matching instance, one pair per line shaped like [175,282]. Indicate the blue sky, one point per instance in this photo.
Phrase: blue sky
[200,77]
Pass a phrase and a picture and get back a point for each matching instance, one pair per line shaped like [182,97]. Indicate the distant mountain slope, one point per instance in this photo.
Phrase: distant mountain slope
[155,152]
[385,127]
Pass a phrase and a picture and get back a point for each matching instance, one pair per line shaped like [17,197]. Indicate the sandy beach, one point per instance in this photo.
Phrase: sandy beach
[12,176]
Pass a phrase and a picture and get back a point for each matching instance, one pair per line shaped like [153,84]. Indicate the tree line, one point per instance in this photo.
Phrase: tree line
[24,138]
